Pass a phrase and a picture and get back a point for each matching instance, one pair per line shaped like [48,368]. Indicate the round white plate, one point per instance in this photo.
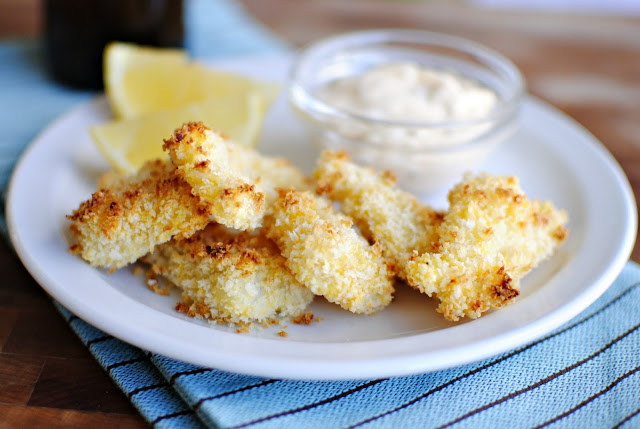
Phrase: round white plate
[554,157]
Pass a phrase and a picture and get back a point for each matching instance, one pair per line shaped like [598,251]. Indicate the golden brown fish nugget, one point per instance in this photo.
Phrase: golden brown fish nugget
[327,255]
[395,219]
[489,239]
[231,276]
[202,158]
[125,219]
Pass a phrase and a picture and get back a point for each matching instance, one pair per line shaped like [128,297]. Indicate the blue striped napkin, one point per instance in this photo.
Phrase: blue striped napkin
[585,374]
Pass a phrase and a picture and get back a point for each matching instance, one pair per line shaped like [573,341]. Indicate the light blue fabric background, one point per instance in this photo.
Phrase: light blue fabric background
[583,375]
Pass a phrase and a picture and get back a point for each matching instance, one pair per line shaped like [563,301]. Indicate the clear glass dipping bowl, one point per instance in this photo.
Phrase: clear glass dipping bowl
[422,169]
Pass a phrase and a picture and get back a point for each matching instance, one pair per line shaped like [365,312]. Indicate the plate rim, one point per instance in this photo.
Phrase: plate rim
[340,369]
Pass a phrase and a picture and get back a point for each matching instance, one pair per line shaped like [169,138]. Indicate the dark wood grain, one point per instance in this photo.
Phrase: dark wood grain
[20,18]
[20,416]
[48,378]
[18,377]
[587,66]
[29,338]
[77,384]
[8,317]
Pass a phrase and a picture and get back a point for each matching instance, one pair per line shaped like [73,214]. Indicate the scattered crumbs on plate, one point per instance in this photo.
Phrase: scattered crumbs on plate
[282,334]
[304,319]
[182,307]
[157,288]
[269,323]
[244,329]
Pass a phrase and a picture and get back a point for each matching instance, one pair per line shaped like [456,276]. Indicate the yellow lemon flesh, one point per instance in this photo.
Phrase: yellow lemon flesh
[127,143]
[140,80]
[121,58]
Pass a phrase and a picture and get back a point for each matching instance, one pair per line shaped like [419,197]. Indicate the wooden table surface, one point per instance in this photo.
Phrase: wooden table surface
[588,66]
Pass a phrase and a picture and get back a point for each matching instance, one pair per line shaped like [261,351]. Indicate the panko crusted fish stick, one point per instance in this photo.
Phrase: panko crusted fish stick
[387,215]
[267,173]
[489,239]
[202,159]
[127,217]
[231,277]
[327,255]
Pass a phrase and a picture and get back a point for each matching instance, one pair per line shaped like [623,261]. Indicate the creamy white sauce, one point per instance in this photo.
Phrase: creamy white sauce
[408,92]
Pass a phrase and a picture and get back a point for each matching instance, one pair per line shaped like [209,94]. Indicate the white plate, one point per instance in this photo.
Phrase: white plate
[555,158]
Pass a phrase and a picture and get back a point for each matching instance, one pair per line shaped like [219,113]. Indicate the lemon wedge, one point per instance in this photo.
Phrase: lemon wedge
[140,80]
[127,143]
[119,59]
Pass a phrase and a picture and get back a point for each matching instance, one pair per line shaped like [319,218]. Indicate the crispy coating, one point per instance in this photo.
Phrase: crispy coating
[231,277]
[202,159]
[394,219]
[327,255]
[267,173]
[129,216]
[489,239]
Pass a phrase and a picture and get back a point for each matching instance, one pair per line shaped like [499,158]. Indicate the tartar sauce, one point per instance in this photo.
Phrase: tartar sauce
[408,92]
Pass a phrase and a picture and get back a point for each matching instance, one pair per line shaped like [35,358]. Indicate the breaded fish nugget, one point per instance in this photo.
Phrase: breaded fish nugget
[231,277]
[202,159]
[489,239]
[267,173]
[394,218]
[327,255]
[129,216]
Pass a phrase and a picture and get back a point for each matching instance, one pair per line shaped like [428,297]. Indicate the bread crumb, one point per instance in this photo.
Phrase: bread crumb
[153,285]
[282,334]
[304,319]
[182,307]
[243,329]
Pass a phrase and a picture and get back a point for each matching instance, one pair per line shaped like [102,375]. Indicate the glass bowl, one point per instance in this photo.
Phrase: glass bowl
[426,156]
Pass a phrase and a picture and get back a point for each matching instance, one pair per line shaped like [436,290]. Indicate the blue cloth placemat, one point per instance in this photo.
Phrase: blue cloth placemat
[585,374]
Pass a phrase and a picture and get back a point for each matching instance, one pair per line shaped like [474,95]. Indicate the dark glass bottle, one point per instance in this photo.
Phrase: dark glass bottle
[76,32]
